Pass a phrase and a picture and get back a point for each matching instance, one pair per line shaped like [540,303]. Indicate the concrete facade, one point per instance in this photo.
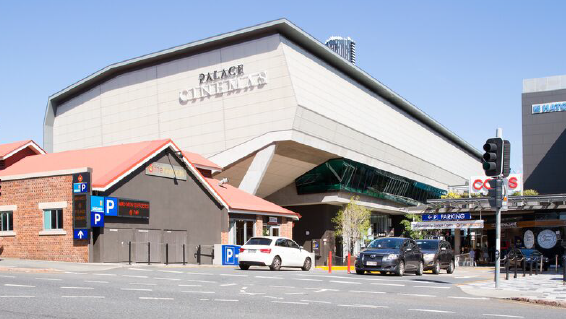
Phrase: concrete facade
[544,136]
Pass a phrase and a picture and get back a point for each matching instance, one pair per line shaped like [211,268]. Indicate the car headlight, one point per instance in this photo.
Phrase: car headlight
[391,257]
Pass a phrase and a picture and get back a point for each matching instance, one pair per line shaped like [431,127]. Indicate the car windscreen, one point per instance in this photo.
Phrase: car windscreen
[386,243]
[259,241]
[427,244]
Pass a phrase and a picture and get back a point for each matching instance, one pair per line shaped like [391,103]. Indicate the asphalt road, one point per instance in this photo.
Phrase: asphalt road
[213,292]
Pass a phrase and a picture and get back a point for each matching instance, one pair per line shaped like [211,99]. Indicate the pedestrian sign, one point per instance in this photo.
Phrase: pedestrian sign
[80,233]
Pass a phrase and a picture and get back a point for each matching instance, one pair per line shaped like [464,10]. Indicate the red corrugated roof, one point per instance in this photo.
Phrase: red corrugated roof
[107,163]
[238,199]
[6,149]
[201,161]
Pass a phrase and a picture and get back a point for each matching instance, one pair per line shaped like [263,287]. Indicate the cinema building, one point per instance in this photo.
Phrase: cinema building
[155,203]
[285,117]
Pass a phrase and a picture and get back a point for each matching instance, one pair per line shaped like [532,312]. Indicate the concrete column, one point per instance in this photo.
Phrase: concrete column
[251,181]
[457,241]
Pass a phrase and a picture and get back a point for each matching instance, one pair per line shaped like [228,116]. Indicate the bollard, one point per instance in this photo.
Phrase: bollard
[167,254]
[531,268]
[541,263]
[148,253]
[536,268]
[506,268]
[349,262]
[515,270]
[556,264]
[524,267]
[198,254]
[330,261]
[564,270]
[184,262]
[129,253]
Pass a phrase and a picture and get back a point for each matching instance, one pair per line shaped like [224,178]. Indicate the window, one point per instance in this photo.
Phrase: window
[241,231]
[292,244]
[6,221]
[281,242]
[259,241]
[52,219]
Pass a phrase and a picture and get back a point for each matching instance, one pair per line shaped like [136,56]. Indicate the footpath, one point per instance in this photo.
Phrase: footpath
[547,288]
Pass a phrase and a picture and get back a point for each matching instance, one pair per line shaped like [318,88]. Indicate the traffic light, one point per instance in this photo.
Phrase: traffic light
[493,157]
[495,194]
[506,170]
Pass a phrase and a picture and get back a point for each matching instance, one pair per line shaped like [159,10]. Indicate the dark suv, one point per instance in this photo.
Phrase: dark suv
[391,255]
[437,255]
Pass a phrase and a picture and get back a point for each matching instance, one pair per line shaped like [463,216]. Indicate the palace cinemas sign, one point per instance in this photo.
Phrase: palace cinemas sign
[223,81]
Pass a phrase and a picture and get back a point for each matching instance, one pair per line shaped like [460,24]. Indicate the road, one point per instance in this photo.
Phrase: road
[213,292]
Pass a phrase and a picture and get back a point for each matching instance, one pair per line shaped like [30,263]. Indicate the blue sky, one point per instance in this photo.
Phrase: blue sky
[456,60]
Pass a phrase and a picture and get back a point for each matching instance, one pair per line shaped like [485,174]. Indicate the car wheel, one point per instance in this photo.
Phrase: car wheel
[360,272]
[420,269]
[276,264]
[436,269]
[400,268]
[244,267]
[451,267]
[306,264]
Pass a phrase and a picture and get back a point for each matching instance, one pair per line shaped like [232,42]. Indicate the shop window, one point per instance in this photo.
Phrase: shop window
[52,219]
[6,221]
[241,231]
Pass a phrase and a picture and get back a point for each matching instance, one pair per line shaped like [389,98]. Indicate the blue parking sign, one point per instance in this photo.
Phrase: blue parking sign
[96,219]
[111,206]
[97,204]
[230,254]
[79,188]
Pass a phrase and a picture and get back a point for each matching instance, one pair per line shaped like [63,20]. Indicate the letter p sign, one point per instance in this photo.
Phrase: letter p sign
[97,219]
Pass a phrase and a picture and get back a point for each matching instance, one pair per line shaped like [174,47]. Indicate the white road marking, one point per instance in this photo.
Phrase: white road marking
[226,285]
[272,297]
[50,279]
[431,287]
[95,297]
[307,279]
[291,302]
[203,281]
[251,293]
[233,275]
[190,285]
[418,295]
[465,277]
[506,316]
[199,273]
[7,276]
[294,293]
[382,284]
[105,274]
[138,269]
[75,273]
[172,279]
[134,276]
[136,289]
[317,301]
[172,271]
[470,298]
[17,296]
[155,298]
[290,287]
[346,282]
[363,306]
[232,300]
[84,288]
[204,299]
[431,310]
[97,281]
[23,286]
[142,283]
[322,289]
[199,292]
[268,277]
[367,292]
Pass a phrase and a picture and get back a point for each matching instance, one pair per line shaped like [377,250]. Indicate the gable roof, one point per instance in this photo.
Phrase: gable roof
[201,161]
[239,200]
[9,149]
[280,26]
[110,164]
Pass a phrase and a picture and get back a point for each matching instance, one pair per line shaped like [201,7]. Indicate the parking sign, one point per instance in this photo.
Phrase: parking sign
[111,208]
[230,254]
[96,219]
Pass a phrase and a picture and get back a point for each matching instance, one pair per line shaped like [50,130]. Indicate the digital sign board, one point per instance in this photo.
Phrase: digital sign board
[133,208]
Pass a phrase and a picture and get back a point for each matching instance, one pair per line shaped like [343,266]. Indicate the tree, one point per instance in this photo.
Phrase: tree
[527,192]
[408,231]
[352,223]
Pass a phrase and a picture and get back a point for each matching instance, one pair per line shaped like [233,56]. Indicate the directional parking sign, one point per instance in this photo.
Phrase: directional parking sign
[230,254]
[80,233]
[96,219]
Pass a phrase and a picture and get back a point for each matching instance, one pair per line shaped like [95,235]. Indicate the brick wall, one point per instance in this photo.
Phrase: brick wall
[28,220]
[259,225]
[286,227]
[224,238]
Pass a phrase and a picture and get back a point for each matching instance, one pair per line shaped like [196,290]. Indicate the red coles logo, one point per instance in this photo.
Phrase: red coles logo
[80,178]
[479,184]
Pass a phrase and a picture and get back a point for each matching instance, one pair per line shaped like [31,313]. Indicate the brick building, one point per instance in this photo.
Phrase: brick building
[185,206]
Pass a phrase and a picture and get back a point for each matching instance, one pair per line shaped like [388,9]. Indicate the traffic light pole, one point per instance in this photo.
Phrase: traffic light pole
[499,133]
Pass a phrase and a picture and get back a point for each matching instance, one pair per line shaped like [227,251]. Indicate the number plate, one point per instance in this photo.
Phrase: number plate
[371,263]
[251,251]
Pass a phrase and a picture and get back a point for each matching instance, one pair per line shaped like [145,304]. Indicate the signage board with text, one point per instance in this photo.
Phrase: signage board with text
[166,170]
[133,208]
[481,185]
[451,216]
[456,224]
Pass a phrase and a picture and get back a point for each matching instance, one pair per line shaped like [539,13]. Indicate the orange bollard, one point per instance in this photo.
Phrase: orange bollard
[349,262]
[330,261]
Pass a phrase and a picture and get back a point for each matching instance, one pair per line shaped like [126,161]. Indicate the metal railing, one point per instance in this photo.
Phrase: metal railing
[204,250]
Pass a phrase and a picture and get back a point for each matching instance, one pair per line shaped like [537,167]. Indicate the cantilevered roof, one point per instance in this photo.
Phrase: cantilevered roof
[281,26]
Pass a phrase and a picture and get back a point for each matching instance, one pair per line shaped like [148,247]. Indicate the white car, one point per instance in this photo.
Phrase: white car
[275,252]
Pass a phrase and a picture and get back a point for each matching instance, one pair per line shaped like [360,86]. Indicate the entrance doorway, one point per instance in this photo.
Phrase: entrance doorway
[274,231]
[241,230]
